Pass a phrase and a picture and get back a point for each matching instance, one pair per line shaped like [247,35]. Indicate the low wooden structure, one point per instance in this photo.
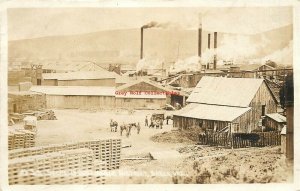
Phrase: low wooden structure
[275,121]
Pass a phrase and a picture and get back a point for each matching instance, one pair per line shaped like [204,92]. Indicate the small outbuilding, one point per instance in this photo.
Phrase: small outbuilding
[275,121]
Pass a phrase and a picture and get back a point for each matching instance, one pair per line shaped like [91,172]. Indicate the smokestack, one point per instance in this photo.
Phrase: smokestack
[215,47]
[208,45]
[199,41]
[142,42]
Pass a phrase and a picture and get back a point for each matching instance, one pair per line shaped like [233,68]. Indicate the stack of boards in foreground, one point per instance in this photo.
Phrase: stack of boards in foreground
[70,163]
[20,138]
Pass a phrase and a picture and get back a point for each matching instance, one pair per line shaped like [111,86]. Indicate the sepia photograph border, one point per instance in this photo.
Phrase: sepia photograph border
[5,5]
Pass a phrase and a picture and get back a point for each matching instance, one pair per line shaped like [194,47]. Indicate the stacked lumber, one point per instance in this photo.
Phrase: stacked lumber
[107,151]
[65,167]
[21,139]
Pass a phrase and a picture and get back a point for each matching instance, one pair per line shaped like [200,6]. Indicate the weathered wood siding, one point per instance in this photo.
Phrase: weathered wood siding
[283,144]
[271,123]
[185,123]
[141,103]
[262,97]
[244,123]
[80,102]
[50,82]
[96,82]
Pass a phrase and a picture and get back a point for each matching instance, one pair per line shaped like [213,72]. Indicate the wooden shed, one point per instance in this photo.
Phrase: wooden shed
[275,121]
[218,102]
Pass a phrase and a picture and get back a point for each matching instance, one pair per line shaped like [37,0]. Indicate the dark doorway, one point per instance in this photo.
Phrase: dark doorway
[263,110]
[39,82]
[176,99]
[15,108]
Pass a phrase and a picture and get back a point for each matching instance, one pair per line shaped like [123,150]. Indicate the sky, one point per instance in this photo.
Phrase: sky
[26,23]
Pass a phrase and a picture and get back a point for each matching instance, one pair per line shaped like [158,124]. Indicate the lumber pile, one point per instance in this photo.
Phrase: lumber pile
[20,139]
[107,151]
[76,166]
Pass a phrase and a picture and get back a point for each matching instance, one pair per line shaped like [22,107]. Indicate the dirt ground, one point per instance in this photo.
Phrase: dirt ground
[194,163]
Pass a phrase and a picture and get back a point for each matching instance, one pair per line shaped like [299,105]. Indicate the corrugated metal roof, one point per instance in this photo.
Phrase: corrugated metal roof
[211,112]
[225,91]
[82,75]
[75,90]
[277,117]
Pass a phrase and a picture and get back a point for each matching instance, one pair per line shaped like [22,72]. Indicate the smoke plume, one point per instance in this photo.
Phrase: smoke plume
[237,48]
[189,64]
[154,24]
[282,57]
[149,64]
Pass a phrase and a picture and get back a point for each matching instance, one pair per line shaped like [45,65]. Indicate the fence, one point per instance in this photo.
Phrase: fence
[241,140]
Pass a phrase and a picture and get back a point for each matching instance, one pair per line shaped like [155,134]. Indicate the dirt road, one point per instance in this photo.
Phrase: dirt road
[75,125]
[196,164]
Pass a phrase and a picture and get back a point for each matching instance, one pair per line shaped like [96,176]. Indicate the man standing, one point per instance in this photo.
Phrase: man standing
[161,122]
[146,121]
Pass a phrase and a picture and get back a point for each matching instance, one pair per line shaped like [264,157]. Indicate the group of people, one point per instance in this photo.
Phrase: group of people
[158,123]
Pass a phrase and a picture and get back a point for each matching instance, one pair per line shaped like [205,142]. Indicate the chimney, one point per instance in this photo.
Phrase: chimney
[142,42]
[208,45]
[215,47]
[199,41]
